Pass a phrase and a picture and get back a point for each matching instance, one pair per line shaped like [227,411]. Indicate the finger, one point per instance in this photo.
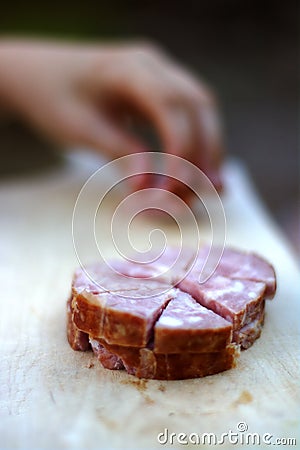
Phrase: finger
[207,143]
[175,126]
[172,124]
[205,138]
[78,124]
[201,146]
[86,125]
[172,112]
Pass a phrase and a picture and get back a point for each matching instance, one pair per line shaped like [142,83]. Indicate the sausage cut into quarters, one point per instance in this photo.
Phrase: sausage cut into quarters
[120,318]
[145,363]
[248,266]
[246,335]
[78,340]
[236,300]
[117,308]
[235,264]
[186,326]
[134,319]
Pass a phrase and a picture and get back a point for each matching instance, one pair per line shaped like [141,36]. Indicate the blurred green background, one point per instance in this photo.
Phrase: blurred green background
[247,50]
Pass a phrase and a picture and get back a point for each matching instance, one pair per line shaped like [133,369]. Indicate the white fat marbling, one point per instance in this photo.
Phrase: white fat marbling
[194,319]
[235,286]
[170,321]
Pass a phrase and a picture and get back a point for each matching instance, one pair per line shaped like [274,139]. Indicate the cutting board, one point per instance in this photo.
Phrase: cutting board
[53,397]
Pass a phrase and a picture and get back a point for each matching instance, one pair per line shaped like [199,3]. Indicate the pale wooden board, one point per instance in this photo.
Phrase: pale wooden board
[53,397]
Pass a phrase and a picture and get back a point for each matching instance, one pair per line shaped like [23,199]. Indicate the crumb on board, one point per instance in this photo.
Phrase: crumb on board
[90,364]
[141,384]
[244,398]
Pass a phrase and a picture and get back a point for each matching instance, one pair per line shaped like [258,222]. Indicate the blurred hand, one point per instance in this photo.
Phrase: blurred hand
[87,94]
